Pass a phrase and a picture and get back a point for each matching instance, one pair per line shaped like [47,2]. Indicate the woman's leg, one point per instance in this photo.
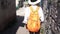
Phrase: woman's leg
[31,32]
[37,32]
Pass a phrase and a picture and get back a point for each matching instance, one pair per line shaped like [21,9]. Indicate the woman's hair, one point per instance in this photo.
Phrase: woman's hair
[33,0]
[36,4]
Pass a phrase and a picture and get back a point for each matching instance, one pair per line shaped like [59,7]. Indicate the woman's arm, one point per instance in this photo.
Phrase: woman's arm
[41,14]
[26,15]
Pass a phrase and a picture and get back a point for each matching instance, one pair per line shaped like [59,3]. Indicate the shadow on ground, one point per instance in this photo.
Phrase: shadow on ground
[12,29]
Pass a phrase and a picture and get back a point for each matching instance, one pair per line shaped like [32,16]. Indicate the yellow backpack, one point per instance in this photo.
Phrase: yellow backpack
[33,23]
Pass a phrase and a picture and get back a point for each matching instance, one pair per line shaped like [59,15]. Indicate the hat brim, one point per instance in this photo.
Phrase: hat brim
[32,3]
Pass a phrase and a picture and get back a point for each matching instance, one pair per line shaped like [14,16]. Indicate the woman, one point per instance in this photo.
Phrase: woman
[32,12]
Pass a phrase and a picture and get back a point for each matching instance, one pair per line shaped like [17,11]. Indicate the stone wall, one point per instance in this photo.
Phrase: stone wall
[52,16]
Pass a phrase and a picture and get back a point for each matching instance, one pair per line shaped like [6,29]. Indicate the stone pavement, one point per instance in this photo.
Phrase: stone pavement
[22,30]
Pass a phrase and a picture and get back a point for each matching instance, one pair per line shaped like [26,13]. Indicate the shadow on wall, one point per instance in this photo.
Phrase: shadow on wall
[13,28]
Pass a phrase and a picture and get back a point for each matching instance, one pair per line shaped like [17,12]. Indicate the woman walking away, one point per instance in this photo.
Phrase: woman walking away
[33,16]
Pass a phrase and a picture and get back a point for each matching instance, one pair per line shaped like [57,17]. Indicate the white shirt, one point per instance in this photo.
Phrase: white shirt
[27,13]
